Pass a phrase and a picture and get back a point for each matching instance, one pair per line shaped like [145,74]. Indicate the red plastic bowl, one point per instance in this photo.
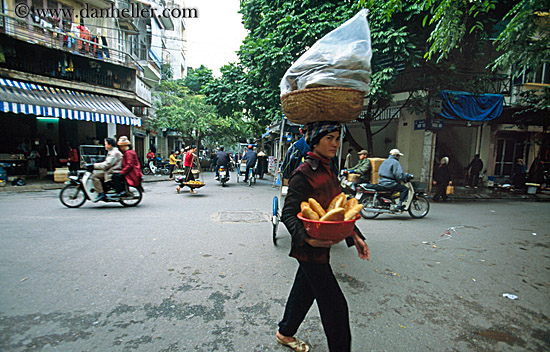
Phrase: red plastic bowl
[329,230]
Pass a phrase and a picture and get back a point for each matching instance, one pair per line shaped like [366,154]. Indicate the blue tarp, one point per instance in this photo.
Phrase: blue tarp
[471,107]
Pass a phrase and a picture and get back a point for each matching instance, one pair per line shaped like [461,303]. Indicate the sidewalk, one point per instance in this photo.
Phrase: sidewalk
[461,193]
[36,185]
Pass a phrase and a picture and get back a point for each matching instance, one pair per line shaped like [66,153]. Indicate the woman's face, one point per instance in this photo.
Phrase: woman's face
[328,145]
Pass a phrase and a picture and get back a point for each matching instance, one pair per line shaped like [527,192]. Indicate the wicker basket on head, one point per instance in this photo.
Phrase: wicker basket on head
[323,104]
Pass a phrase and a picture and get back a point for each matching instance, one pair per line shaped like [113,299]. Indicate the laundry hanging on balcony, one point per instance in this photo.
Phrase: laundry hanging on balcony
[28,98]
[470,107]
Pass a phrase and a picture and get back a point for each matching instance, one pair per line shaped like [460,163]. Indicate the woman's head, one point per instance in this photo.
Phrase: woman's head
[317,130]
[323,137]
[124,143]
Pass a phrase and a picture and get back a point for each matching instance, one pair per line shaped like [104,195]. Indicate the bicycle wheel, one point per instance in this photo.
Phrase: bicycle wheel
[420,206]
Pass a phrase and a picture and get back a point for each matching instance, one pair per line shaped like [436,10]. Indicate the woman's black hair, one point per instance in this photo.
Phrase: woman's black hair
[317,138]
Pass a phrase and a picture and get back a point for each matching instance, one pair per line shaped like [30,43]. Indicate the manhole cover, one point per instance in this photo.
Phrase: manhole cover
[242,216]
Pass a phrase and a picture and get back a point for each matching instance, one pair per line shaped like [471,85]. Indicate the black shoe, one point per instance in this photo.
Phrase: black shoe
[399,208]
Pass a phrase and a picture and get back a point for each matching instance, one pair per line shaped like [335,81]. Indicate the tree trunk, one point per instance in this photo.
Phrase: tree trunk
[349,138]
[368,133]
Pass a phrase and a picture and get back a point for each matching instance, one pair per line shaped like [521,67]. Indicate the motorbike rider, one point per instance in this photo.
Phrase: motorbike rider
[131,171]
[363,167]
[222,159]
[103,171]
[251,157]
[391,174]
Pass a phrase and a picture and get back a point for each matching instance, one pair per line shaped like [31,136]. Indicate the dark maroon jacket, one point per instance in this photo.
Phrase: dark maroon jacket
[312,179]
[130,168]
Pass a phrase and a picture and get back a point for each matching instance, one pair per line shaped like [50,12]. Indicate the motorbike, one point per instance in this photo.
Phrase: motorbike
[78,189]
[378,200]
[162,168]
[223,175]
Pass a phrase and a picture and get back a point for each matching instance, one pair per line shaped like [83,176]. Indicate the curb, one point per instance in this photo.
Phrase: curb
[53,186]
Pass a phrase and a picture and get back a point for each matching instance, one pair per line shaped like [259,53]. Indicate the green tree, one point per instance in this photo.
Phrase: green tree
[196,79]
[279,32]
[182,112]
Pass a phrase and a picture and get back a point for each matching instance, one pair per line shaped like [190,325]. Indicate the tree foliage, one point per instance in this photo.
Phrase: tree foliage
[196,79]
[279,32]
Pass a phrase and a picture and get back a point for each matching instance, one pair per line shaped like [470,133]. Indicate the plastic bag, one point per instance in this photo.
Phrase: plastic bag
[450,190]
[339,59]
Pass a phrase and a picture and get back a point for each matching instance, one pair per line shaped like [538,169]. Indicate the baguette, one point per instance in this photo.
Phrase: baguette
[302,205]
[309,214]
[351,203]
[315,206]
[334,215]
[352,212]
[337,202]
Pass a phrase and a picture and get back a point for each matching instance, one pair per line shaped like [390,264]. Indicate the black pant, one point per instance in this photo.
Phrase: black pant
[474,178]
[403,191]
[248,172]
[317,282]
[441,191]
[118,183]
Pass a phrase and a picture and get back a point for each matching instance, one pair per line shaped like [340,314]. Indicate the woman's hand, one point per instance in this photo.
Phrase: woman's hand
[362,248]
[320,243]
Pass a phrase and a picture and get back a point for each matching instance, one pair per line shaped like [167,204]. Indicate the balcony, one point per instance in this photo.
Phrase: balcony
[478,82]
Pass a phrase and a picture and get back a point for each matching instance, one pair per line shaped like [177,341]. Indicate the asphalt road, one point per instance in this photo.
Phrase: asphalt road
[185,272]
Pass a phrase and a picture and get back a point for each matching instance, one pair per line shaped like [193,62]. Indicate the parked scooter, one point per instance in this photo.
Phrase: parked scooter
[378,200]
[80,188]
[223,175]
[162,168]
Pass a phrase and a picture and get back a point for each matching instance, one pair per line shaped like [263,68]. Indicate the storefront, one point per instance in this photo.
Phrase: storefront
[40,122]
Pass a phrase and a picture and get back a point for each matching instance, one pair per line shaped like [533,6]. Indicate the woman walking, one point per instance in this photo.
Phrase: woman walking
[314,279]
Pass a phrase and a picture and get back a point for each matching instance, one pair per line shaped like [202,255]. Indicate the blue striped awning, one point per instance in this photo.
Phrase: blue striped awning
[28,98]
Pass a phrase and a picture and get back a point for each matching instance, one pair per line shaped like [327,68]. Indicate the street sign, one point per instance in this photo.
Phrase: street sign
[436,124]
[419,124]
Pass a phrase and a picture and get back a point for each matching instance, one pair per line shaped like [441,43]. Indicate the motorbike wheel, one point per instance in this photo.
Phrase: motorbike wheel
[147,171]
[165,171]
[369,202]
[419,208]
[72,196]
[133,200]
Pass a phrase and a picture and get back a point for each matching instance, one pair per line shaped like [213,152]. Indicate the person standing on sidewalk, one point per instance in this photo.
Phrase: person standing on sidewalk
[314,279]
[442,179]
[474,168]
[173,160]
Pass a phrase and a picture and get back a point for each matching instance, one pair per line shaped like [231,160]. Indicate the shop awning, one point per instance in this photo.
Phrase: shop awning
[471,107]
[28,98]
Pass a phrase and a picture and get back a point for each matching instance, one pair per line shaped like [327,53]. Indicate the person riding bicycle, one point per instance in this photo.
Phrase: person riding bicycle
[222,159]
[251,157]
[391,174]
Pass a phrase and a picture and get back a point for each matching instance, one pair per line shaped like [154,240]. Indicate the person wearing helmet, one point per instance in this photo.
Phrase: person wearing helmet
[222,159]
[391,175]
[251,157]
